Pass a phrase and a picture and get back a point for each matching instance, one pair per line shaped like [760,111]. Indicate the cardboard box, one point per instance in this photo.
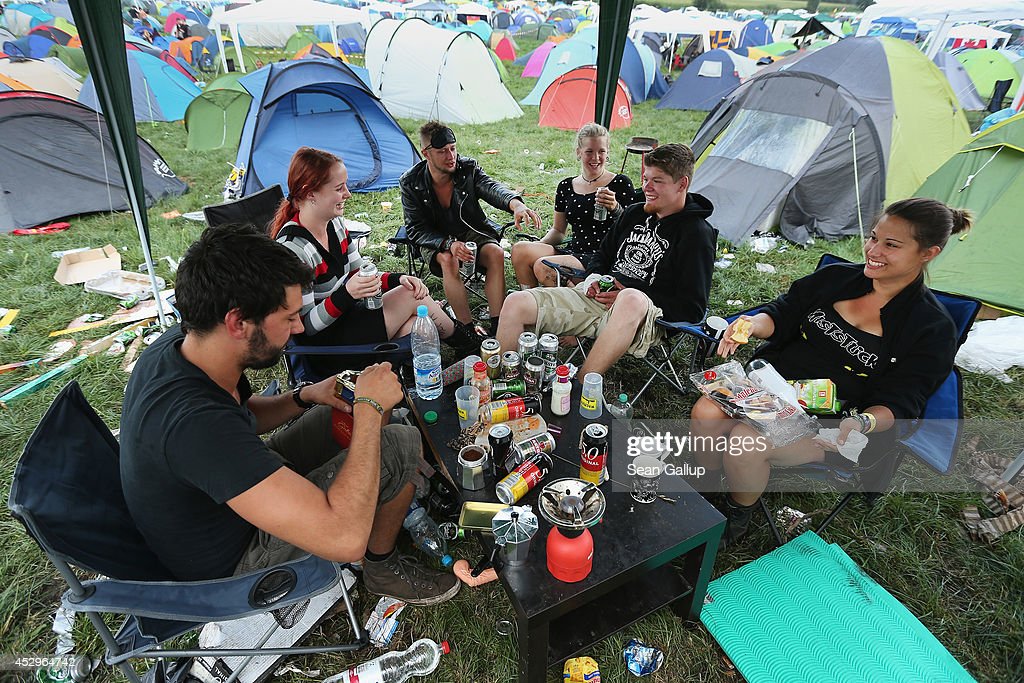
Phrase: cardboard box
[80,266]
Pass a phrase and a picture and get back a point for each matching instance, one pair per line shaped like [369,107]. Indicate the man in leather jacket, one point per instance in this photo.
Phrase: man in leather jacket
[441,199]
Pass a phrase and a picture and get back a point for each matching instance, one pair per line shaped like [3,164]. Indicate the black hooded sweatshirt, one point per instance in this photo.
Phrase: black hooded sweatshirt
[669,259]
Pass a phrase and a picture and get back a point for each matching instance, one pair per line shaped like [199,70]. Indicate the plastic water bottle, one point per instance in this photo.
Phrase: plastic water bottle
[426,356]
[420,659]
[621,409]
[426,537]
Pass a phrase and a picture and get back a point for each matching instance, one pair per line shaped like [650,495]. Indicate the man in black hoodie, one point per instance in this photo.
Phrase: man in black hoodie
[661,255]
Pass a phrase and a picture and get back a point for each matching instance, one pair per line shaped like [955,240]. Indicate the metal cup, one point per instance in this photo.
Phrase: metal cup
[474,462]
[715,326]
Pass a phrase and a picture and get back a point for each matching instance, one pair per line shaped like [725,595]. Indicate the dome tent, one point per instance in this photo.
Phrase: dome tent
[568,103]
[707,79]
[320,103]
[784,136]
[421,71]
[159,91]
[215,118]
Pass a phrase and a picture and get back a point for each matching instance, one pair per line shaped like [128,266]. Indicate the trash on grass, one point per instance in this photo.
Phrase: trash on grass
[170,214]
[641,659]
[123,284]
[383,621]
[80,266]
[765,268]
[762,244]
[581,670]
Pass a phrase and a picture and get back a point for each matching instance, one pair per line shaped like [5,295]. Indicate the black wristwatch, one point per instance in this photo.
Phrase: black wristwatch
[305,405]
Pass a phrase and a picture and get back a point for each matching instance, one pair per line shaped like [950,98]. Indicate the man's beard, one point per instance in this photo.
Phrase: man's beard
[260,355]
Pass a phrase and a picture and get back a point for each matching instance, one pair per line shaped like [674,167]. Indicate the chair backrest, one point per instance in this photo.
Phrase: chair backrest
[257,209]
[937,436]
[67,493]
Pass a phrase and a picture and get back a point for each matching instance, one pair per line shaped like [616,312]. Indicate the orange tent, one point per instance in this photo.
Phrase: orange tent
[183,48]
[568,102]
[504,50]
[331,50]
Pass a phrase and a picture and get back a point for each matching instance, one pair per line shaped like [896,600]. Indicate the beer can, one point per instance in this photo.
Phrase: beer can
[542,443]
[469,267]
[345,385]
[548,347]
[510,365]
[509,409]
[508,389]
[523,478]
[488,348]
[494,367]
[606,283]
[600,212]
[527,345]
[594,453]
[533,374]
[374,301]
[500,439]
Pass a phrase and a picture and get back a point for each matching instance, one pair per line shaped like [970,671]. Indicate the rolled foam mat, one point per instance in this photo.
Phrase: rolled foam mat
[806,613]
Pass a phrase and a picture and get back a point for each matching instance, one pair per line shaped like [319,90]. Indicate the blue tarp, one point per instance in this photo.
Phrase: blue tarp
[159,91]
[321,103]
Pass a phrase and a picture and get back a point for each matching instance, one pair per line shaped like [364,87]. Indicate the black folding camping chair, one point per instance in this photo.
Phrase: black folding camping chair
[67,493]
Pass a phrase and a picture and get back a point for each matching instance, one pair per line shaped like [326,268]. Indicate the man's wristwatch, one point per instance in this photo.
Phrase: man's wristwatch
[305,405]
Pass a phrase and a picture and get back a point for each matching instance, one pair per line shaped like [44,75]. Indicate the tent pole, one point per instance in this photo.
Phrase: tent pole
[334,35]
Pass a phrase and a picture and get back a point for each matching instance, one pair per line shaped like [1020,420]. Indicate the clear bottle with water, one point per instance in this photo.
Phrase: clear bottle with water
[621,409]
[426,356]
[426,536]
[420,659]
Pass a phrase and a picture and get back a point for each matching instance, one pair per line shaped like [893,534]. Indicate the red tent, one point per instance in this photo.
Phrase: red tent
[568,102]
[504,50]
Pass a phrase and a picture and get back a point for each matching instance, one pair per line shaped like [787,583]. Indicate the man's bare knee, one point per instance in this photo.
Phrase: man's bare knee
[631,303]
[518,306]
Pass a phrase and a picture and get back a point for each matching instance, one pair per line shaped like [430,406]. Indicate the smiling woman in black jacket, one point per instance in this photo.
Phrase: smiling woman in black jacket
[874,329]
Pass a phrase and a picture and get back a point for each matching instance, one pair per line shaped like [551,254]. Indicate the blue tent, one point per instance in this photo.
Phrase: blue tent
[657,85]
[33,46]
[159,91]
[706,80]
[581,50]
[896,27]
[754,33]
[526,16]
[324,104]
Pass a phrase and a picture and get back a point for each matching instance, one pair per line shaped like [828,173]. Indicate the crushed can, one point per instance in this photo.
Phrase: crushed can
[641,659]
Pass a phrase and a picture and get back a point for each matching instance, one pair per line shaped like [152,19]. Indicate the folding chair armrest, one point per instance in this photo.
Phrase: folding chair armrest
[401,237]
[566,272]
[397,347]
[216,600]
[693,329]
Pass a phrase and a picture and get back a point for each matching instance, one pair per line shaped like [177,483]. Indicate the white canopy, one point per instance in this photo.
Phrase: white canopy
[472,9]
[684,24]
[976,32]
[272,22]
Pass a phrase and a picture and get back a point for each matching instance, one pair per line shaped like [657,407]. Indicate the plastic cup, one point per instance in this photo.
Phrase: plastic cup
[385,207]
[467,402]
[591,398]
[646,475]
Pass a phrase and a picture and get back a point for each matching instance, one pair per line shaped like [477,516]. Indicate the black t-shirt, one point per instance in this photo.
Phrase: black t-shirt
[579,213]
[187,447]
[829,347]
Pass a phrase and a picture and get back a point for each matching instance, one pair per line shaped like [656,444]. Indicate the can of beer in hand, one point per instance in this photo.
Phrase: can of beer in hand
[510,365]
[523,478]
[548,347]
[500,439]
[488,348]
[374,301]
[494,367]
[606,283]
[527,345]
[533,374]
[594,454]
[508,389]
[469,267]
[600,212]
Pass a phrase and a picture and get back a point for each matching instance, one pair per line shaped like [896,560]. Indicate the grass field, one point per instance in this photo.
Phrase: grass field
[967,594]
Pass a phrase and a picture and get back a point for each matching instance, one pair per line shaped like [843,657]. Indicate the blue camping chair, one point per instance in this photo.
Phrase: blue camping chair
[933,438]
[67,493]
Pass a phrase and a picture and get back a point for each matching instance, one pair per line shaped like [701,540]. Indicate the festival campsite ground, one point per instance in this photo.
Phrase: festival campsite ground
[967,594]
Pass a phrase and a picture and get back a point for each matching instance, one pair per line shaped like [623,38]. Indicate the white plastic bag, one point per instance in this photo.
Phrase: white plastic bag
[993,347]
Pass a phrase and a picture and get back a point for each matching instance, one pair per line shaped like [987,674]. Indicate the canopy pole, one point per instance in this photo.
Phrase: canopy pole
[220,44]
[856,182]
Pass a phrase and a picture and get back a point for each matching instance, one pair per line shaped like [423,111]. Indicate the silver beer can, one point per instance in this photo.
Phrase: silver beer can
[510,365]
[469,267]
[527,345]
[548,348]
[533,374]
[375,301]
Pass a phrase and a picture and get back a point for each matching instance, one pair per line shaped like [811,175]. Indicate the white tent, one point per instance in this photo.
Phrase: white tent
[674,24]
[977,32]
[271,22]
[946,12]
[420,71]
[472,9]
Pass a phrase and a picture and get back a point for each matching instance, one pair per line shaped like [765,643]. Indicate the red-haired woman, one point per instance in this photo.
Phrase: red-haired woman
[309,222]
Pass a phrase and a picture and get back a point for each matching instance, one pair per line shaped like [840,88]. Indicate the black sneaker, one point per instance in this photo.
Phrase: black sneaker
[402,577]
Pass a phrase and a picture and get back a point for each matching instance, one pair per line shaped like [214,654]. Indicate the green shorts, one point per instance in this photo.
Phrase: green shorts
[568,311]
[308,447]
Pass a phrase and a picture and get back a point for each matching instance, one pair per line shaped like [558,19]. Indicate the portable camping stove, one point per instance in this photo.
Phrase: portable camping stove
[572,506]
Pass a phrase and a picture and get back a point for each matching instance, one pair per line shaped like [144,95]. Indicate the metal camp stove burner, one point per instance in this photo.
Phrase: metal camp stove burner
[571,503]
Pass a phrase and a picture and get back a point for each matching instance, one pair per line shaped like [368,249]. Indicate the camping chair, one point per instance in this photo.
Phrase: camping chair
[660,357]
[67,493]
[933,438]
[257,209]
[999,91]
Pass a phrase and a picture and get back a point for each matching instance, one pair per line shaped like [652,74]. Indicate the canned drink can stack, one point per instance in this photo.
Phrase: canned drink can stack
[527,345]
[594,454]
[606,283]
[510,365]
[375,301]
[548,347]
[500,439]
[469,267]
[533,374]
[523,478]
[508,389]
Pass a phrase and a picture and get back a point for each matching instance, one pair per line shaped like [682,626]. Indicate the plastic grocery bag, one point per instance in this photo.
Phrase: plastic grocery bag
[993,347]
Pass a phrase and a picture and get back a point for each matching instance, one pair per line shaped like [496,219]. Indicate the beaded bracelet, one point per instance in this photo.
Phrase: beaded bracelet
[370,402]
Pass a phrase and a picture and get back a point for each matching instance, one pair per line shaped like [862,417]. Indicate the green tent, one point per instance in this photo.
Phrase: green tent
[73,58]
[985,67]
[987,177]
[502,71]
[299,40]
[252,60]
[215,118]
[779,49]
